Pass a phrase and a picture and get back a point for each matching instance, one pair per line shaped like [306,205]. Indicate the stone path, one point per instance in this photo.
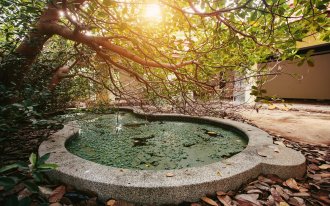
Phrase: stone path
[301,123]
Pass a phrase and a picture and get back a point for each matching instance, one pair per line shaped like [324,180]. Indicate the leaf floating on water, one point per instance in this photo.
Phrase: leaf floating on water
[292,184]
[213,134]
[324,167]
[170,174]
[57,194]
[209,201]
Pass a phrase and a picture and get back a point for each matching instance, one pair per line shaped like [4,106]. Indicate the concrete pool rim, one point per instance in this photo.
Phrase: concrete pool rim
[260,156]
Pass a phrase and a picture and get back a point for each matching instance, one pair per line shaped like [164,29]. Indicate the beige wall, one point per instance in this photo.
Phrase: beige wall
[315,83]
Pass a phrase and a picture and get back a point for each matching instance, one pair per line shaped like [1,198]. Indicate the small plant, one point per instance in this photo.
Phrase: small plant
[19,181]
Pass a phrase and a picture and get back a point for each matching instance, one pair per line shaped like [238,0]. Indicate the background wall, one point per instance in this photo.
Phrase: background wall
[315,82]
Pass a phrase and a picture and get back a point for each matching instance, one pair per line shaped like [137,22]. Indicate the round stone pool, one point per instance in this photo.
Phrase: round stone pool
[125,140]
[191,163]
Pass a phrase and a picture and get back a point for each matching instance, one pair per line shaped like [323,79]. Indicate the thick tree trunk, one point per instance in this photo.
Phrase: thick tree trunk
[16,65]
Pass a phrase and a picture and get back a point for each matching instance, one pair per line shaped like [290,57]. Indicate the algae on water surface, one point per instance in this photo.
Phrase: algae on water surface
[137,143]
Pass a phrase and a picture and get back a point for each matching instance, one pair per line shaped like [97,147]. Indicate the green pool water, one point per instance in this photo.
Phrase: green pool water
[124,140]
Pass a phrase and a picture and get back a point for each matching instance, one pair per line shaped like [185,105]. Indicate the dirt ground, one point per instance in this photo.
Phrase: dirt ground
[307,123]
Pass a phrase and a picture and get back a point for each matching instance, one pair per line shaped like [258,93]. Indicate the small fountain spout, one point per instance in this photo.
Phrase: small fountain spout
[118,126]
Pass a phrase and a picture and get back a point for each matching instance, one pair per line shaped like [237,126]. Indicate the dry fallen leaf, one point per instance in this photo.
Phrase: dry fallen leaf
[111,202]
[313,167]
[219,173]
[24,193]
[170,174]
[315,177]
[283,204]
[279,143]
[325,175]
[55,204]
[277,197]
[302,189]
[225,200]
[296,201]
[323,196]
[324,153]
[272,106]
[122,203]
[264,153]
[274,178]
[92,202]
[265,180]
[262,187]
[57,194]
[270,200]
[195,204]
[280,190]
[226,162]
[252,198]
[209,201]
[301,194]
[314,185]
[324,167]
[254,191]
[220,193]
[292,184]
[45,191]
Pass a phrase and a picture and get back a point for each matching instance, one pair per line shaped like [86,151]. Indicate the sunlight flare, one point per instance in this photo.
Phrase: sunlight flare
[153,11]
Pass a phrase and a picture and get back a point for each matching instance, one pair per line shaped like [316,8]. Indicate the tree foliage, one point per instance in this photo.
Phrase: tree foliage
[179,56]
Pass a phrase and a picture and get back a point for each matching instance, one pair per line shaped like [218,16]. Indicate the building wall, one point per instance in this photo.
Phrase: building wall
[315,82]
